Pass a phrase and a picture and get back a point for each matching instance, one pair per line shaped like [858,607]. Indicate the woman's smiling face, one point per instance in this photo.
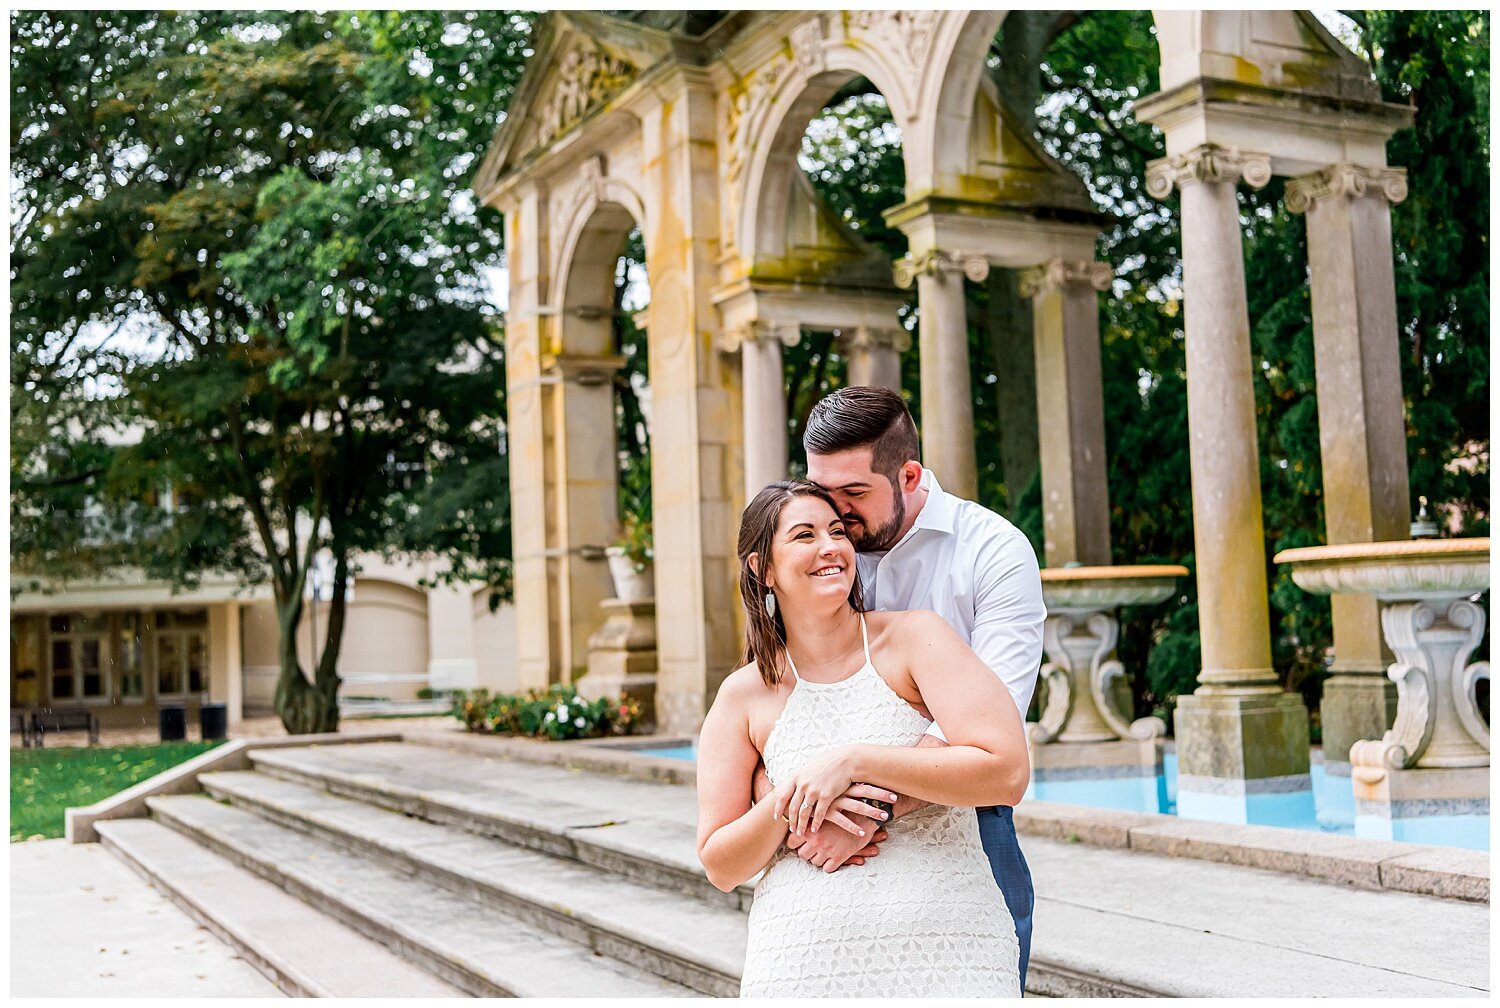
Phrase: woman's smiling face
[811,555]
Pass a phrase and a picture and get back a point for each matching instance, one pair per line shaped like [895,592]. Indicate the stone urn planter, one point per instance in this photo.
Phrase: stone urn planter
[631,585]
[1431,627]
[1081,672]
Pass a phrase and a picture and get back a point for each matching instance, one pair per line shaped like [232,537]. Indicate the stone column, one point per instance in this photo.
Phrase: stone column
[947,399]
[875,356]
[763,391]
[528,330]
[1242,742]
[1361,424]
[1070,409]
[692,424]
[580,409]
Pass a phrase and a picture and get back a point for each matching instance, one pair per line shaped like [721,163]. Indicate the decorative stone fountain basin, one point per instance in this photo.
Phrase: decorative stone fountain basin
[1079,638]
[1435,569]
[1432,629]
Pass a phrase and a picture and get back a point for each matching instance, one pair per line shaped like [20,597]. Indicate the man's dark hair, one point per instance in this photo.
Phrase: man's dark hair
[863,415]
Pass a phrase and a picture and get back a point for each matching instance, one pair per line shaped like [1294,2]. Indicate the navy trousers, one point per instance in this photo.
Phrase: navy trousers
[997,831]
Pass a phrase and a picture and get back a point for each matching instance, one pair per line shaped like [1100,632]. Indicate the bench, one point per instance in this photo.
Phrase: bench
[63,720]
[20,723]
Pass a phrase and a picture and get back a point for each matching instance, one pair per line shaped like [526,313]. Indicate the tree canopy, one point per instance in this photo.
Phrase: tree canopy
[279,203]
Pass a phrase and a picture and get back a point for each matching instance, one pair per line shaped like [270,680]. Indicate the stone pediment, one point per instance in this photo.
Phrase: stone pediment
[581,61]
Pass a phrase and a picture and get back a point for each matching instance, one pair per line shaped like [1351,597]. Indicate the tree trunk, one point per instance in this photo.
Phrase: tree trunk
[304,707]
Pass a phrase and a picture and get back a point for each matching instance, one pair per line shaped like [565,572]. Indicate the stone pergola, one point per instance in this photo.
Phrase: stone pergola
[693,139]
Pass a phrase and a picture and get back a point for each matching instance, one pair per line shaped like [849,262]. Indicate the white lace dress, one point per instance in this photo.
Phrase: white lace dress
[923,919]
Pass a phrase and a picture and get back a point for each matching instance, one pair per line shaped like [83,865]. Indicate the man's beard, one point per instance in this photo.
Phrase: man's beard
[883,538]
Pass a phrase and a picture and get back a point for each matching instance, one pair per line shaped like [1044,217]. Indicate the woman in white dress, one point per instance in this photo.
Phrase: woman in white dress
[831,696]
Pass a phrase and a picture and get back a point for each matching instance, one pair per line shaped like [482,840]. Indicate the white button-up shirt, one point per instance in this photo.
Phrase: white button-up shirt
[978,572]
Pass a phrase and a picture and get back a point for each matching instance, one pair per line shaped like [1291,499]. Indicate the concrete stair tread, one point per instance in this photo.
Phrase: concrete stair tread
[466,791]
[470,942]
[305,952]
[711,936]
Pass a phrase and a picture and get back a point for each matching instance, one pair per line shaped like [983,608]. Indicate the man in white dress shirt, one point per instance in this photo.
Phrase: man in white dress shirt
[922,548]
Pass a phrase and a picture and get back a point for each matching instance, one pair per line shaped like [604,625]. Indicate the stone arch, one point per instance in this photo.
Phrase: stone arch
[793,92]
[585,271]
[579,363]
[948,91]
[602,207]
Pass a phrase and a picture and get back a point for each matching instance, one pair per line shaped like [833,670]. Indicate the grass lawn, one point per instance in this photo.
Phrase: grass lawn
[44,782]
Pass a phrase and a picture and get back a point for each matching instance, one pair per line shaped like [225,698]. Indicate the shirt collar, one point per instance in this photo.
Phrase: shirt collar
[939,511]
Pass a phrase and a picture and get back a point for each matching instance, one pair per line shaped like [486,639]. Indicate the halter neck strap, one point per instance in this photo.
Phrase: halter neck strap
[864,636]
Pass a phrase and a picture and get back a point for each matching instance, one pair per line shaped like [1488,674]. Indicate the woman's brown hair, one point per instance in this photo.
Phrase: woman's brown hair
[765,634]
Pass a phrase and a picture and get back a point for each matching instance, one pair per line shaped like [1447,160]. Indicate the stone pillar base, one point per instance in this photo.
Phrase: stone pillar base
[1354,707]
[1060,761]
[1243,758]
[1444,805]
[622,655]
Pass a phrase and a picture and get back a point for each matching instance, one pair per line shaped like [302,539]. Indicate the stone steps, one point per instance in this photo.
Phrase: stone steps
[304,952]
[477,949]
[593,820]
[422,783]
[691,942]
[500,876]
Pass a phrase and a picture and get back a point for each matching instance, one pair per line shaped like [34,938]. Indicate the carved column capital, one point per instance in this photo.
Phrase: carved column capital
[1345,180]
[974,265]
[759,331]
[1207,163]
[870,338]
[1056,273]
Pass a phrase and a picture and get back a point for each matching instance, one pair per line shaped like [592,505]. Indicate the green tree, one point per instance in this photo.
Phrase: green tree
[281,200]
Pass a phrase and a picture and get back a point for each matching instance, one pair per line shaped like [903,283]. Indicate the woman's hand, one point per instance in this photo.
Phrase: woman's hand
[815,793]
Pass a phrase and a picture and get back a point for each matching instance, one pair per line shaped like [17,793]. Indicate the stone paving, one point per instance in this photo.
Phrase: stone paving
[82,924]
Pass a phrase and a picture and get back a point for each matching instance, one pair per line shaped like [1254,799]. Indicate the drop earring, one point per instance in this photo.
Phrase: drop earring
[770,605]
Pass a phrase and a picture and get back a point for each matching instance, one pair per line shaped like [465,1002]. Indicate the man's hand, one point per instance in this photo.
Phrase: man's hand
[829,849]
[832,849]
[760,784]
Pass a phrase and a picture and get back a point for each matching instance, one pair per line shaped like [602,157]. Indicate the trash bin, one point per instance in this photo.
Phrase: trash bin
[173,724]
[213,721]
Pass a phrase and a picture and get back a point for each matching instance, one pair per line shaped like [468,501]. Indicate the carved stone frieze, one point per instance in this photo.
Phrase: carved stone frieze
[586,76]
[1207,163]
[1057,273]
[807,46]
[904,36]
[1345,180]
[974,265]
[746,110]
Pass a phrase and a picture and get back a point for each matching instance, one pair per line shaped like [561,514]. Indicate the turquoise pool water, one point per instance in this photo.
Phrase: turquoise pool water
[1329,809]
